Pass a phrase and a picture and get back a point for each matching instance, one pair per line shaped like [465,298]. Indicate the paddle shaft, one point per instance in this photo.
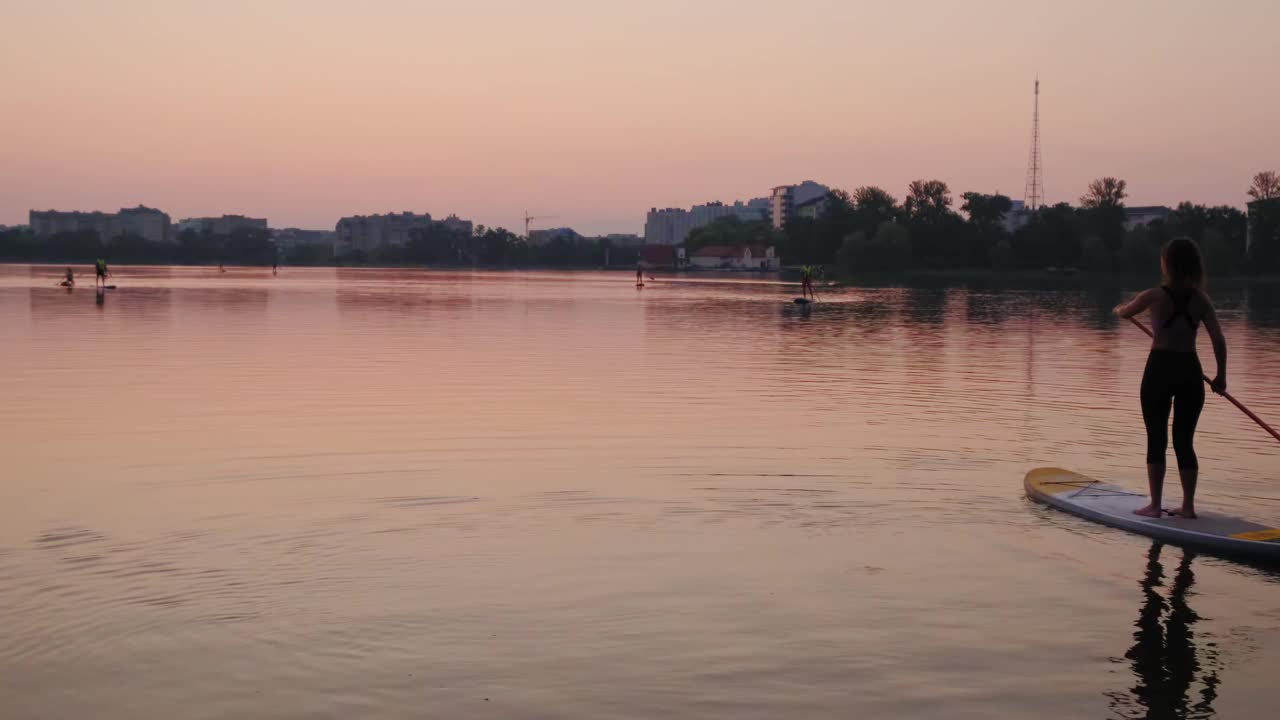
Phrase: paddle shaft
[1224,394]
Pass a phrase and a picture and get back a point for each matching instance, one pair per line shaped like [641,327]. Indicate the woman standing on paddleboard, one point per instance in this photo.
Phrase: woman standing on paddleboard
[806,282]
[1173,375]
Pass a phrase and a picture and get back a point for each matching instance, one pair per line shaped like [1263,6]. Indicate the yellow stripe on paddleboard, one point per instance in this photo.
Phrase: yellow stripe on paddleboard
[1052,481]
[1261,535]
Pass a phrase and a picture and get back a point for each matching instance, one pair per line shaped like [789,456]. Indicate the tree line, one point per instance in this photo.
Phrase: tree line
[243,246]
[437,245]
[433,246]
[867,229]
[871,230]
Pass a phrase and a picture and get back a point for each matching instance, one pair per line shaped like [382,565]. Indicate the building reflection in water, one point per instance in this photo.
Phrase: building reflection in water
[1176,676]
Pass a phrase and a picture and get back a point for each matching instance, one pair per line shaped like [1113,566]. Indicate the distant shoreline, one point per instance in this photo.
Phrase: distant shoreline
[787,272]
[1092,277]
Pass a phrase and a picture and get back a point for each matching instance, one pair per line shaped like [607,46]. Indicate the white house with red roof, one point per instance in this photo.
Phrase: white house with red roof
[735,257]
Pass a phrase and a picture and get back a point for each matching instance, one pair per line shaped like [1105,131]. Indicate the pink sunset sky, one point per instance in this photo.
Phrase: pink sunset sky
[595,110]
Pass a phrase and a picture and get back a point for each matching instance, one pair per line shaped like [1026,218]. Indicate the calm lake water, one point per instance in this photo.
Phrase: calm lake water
[395,494]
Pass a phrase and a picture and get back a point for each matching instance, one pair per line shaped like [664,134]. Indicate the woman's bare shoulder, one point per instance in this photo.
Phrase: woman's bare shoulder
[1206,302]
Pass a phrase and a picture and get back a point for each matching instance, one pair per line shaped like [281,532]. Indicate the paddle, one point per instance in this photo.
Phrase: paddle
[1224,394]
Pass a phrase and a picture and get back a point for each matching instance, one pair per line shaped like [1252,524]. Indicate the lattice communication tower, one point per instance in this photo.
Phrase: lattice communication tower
[1033,195]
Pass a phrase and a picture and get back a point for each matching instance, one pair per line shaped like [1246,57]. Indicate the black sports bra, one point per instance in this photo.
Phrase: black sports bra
[1181,306]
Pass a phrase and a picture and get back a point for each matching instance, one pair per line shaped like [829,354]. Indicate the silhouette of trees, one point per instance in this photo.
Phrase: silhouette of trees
[1052,236]
[928,201]
[866,229]
[732,230]
[1103,210]
[1106,192]
[873,206]
[1221,231]
[437,245]
[1265,186]
[250,246]
[938,234]
[310,255]
[889,248]
[820,238]
[1264,222]
[1264,233]
[986,227]
[986,211]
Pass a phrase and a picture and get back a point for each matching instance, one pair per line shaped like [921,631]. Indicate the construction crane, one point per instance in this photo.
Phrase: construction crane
[530,218]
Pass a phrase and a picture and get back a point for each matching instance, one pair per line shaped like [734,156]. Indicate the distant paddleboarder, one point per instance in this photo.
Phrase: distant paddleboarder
[70,279]
[806,283]
[100,273]
[1173,374]
[639,276]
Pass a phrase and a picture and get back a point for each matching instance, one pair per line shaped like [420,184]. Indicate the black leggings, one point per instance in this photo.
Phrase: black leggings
[1172,376]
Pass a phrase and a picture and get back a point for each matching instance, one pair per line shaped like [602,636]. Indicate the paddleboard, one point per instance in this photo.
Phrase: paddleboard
[1113,505]
[639,284]
[802,301]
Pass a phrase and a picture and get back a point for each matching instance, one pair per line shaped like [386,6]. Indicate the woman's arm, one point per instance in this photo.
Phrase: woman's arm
[1219,383]
[1142,301]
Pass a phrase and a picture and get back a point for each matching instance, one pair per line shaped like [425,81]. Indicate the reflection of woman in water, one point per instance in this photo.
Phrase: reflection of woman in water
[1165,658]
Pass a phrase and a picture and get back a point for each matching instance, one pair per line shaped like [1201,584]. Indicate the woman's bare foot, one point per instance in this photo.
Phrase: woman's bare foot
[1187,513]
[1150,511]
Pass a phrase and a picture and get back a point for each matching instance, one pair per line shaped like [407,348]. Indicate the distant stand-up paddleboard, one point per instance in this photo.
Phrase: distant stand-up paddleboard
[802,301]
[1113,506]
[639,284]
